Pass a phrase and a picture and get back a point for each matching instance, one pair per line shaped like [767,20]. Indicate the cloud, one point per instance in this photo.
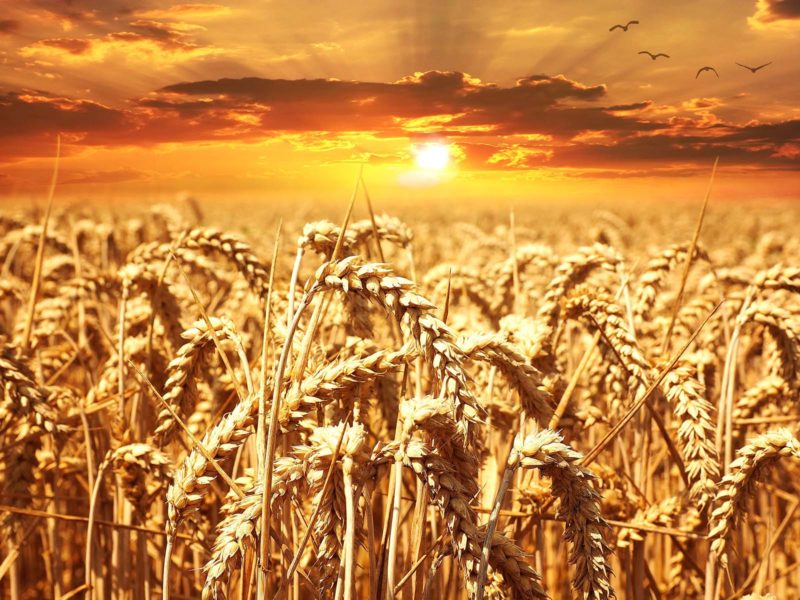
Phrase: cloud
[9,26]
[537,122]
[310,52]
[146,39]
[774,10]
[776,14]
[73,46]
[633,106]
[318,142]
[186,11]
[790,151]
[518,156]
[700,104]
[71,13]
[32,113]
[30,121]
[327,47]
[536,104]
[538,30]
[754,145]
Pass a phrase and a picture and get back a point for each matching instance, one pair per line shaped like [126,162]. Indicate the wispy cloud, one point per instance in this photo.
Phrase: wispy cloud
[143,39]
[186,11]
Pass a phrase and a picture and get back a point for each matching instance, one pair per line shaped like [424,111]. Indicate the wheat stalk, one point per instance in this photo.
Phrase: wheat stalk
[180,388]
[753,461]
[448,493]
[695,432]
[496,350]
[434,340]
[579,506]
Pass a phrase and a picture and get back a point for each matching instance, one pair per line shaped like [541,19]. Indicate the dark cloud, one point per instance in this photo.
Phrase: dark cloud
[168,39]
[32,113]
[30,121]
[416,95]
[8,26]
[643,155]
[630,107]
[538,121]
[775,13]
[740,148]
[775,10]
[83,11]
[72,45]
[534,104]
[765,133]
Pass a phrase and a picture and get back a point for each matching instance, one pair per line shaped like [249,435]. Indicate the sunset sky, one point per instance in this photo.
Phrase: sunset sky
[284,99]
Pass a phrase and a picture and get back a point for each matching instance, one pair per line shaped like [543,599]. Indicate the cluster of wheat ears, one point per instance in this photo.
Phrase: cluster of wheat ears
[347,411]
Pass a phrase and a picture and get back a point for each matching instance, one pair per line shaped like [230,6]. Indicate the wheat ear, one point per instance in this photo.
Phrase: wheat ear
[752,462]
[579,507]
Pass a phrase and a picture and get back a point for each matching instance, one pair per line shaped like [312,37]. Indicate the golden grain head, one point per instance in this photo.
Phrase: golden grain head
[419,409]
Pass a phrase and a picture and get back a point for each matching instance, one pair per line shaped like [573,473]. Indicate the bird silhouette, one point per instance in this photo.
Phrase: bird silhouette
[654,56]
[754,69]
[624,27]
[701,69]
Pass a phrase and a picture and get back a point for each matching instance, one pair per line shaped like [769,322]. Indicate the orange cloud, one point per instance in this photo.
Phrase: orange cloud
[695,104]
[538,121]
[145,39]
[519,157]
[9,26]
[73,13]
[73,46]
[790,151]
[186,11]
[445,103]
[776,14]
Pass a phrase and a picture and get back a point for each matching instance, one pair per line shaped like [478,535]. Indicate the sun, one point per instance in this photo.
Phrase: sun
[433,156]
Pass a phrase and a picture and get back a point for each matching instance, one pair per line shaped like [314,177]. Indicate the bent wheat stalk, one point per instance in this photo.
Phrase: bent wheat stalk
[752,463]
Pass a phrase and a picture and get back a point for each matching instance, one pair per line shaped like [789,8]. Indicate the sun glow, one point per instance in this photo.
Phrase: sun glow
[433,156]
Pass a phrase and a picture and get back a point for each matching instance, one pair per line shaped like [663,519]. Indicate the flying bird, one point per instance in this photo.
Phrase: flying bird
[754,69]
[701,69]
[624,27]
[654,56]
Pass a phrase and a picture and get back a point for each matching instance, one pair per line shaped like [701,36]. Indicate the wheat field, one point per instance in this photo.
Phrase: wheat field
[449,404]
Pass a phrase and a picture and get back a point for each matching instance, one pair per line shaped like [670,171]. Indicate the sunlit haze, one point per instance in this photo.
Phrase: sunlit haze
[433,156]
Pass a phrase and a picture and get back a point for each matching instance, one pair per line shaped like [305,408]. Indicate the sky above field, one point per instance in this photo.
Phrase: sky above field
[481,99]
